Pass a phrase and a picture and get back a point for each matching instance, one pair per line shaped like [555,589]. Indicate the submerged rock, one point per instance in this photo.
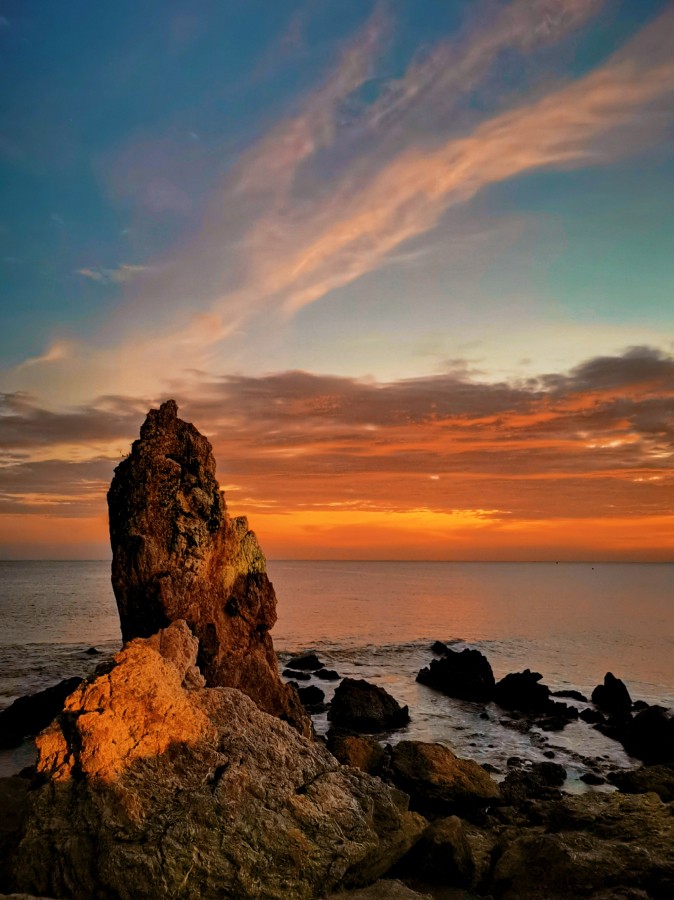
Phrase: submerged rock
[360,706]
[438,782]
[29,715]
[154,786]
[466,675]
[177,554]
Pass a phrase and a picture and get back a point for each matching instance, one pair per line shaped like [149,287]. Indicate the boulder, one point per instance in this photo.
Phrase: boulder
[593,845]
[442,855]
[356,750]
[311,695]
[327,674]
[612,696]
[438,782]
[154,786]
[466,675]
[522,691]
[659,779]
[539,780]
[29,715]
[308,663]
[177,554]
[360,706]
[650,736]
[296,676]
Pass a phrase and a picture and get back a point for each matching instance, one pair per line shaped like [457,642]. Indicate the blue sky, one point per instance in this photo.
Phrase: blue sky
[381,191]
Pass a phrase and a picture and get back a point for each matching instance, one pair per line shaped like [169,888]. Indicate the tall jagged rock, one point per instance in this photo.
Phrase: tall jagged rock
[151,785]
[177,554]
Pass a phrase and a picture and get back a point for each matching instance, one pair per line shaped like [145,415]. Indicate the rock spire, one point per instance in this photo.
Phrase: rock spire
[177,554]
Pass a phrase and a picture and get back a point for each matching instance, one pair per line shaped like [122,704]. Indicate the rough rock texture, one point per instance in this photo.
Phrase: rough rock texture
[596,845]
[540,780]
[612,696]
[30,714]
[177,554]
[386,889]
[357,750]
[658,779]
[156,787]
[360,706]
[13,798]
[466,675]
[438,782]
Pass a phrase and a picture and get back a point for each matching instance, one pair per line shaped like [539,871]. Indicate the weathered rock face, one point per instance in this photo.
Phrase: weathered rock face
[177,554]
[598,846]
[157,787]
[438,782]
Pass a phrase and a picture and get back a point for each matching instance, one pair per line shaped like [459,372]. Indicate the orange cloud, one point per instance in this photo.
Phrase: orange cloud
[561,461]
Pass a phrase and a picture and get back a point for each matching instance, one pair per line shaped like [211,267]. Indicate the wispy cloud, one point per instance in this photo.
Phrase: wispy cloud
[120,275]
[341,187]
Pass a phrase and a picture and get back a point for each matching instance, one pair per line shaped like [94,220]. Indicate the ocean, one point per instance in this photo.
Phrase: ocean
[377,620]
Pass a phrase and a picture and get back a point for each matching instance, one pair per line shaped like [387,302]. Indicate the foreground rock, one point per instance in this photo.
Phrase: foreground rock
[438,782]
[360,706]
[157,787]
[386,889]
[597,845]
[177,554]
[29,715]
[466,675]
[656,779]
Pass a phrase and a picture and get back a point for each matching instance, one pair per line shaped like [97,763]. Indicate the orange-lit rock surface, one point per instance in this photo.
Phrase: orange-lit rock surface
[177,554]
[155,786]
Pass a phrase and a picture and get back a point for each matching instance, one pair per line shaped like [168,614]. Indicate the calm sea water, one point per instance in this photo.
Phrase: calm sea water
[376,620]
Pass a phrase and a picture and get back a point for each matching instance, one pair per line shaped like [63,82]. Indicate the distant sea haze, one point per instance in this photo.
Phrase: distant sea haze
[572,622]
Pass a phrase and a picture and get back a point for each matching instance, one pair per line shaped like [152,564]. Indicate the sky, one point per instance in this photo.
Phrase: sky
[409,265]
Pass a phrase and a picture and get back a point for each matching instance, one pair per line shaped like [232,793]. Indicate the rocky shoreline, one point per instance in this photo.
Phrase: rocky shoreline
[188,766]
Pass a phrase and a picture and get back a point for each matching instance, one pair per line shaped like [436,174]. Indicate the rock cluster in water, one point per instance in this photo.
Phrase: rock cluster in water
[177,554]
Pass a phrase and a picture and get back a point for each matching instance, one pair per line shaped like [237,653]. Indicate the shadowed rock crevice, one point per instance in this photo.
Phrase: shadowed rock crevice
[177,554]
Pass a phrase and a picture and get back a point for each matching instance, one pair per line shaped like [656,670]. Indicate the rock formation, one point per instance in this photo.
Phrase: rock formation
[155,786]
[30,714]
[466,675]
[438,782]
[177,554]
[612,696]
[360,706]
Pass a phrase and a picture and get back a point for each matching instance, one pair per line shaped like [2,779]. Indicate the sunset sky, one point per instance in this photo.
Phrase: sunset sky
[409,265]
